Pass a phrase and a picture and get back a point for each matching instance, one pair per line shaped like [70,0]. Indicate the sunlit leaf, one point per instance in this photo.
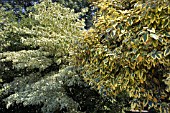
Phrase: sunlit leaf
[154,36]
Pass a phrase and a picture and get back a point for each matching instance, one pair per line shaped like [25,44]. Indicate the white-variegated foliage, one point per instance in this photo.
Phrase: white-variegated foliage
[37,42]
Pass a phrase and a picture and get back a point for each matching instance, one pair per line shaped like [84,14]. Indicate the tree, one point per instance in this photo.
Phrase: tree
[35,53]
[128,50]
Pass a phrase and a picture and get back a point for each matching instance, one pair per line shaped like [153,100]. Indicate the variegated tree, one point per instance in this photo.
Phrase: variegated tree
[34,54]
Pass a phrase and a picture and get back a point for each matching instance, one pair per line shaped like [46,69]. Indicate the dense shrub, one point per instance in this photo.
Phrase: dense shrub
[34,61]
[34,57]
[128,49]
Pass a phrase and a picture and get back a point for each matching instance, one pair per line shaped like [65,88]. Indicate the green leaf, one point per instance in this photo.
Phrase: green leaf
[154,36]
[153,55]
[145,37]
[137,72]
[133,105]
[158,55]
[151,30]
[166,23]
[108,30]
[114,32]
[155,43]
[130,21]
[167,52]
[167,34]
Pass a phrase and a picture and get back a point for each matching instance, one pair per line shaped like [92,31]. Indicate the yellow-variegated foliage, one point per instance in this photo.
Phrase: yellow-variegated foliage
[128,49]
